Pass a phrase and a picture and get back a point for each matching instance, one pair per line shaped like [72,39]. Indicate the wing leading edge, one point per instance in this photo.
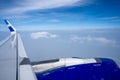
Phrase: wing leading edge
[24,69]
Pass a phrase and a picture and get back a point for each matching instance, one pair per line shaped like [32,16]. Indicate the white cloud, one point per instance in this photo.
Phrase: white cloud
[112,18]
[29,5]
[91,39]
[54,20]
[38,35]
[21,16]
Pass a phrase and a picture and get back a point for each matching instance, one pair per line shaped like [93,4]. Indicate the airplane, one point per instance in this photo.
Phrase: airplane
[74,68]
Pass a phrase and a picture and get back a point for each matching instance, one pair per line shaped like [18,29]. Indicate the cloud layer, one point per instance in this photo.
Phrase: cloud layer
[29,5]
[38,35]
[111,19]
[91,39]
[74,38]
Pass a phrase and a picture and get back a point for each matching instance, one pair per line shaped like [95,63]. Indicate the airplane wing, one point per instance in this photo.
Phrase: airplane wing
[24,69]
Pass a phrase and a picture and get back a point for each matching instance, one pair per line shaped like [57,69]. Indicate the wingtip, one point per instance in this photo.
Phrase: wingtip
[11,28]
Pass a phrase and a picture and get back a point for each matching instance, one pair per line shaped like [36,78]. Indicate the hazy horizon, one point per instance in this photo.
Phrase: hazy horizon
[87,43]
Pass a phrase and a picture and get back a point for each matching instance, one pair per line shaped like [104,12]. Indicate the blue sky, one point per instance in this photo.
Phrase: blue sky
[61,14]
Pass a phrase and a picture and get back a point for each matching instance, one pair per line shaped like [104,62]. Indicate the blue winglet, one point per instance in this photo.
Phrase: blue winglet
[11,28]
[6,22]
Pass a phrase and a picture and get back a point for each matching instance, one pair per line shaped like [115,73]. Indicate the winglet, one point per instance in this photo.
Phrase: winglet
[11,28]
